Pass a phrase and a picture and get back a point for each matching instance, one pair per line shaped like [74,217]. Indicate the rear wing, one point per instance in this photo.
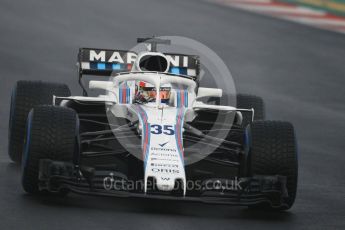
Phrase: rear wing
[104,62]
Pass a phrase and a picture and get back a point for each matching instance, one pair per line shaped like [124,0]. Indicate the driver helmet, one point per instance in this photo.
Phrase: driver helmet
[146,92]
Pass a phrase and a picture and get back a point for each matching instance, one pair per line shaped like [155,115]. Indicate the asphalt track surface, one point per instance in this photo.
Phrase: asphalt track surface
[298,70]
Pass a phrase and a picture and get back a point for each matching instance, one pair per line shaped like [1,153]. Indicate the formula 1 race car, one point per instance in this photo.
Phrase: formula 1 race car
[154,133]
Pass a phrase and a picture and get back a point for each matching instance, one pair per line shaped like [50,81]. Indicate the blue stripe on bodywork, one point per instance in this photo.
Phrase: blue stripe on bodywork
[116,66]
[148,144]
[186,98]
[178,130]
[178,70]
[146,128]
[181,103]
[120,95]
[100,65]
[175,70]
[178,98]
[127,93]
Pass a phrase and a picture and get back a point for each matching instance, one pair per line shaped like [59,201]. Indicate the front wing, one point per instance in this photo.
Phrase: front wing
[55,176]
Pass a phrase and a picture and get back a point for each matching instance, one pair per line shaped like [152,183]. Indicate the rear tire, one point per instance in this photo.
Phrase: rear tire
[206,119]
[51,134]
[273,151]
[26,95]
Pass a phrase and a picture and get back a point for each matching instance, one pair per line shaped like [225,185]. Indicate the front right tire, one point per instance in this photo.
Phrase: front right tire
[273,151]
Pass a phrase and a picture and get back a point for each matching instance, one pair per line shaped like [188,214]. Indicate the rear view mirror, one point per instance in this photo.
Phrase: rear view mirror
[106,85]
[209,92]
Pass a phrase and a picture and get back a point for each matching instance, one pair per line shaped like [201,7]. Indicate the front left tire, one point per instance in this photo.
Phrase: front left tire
[51,134]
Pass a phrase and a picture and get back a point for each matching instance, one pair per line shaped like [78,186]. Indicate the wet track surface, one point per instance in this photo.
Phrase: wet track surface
[298,70]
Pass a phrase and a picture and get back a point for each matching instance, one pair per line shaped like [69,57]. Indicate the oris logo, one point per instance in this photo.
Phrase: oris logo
[164,170]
